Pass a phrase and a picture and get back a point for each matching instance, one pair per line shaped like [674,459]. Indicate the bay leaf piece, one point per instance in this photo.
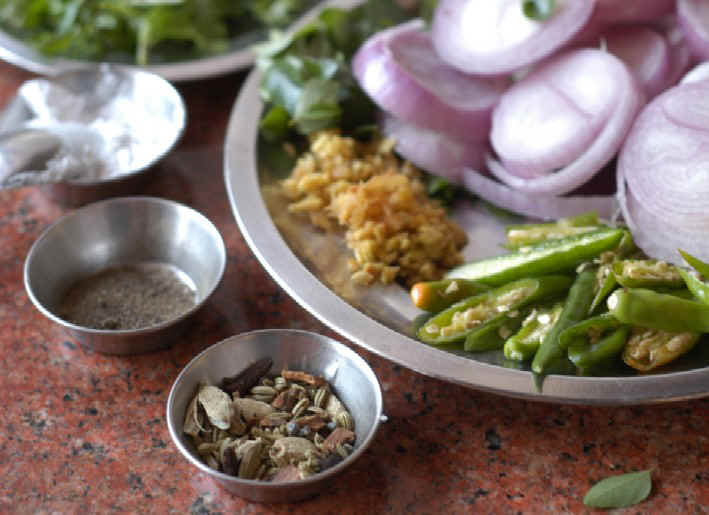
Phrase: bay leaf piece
[217,405]
[619,491]
[191,425]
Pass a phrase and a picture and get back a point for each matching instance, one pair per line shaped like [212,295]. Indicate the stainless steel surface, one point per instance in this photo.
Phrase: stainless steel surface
[26,150]
[239,57]
[348,374]
[311,267]
[124,231]
[114,123]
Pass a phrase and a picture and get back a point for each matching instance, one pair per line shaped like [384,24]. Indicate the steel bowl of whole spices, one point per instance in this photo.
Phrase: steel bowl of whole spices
[275,415]
[124,275]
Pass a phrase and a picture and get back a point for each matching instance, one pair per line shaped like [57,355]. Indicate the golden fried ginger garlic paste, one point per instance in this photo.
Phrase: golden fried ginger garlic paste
[393,228]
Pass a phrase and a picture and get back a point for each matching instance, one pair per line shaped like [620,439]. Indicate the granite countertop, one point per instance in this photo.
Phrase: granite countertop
[84,432]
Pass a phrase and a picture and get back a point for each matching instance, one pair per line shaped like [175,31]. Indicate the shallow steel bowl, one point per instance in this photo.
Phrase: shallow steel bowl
[349,375]
[118,232]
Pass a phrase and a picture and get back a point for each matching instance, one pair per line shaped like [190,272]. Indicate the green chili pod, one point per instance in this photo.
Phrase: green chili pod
[472,314]
[525,235]
[589,329]
[575,309]
[602,356]
[696,263]
[699,289]
[435,296]
[494,334]
[556,256]
[523,345]
[646,273]
[648,349]
[604,285]
[647,308]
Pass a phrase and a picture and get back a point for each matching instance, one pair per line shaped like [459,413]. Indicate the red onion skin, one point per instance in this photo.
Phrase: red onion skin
[399,70]
[452,29]
[645,52]
[629,100]
[662,180]
[632,11]
[693,18]
[432,151]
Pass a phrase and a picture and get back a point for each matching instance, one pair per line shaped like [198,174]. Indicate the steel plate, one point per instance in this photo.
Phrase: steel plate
[311,267]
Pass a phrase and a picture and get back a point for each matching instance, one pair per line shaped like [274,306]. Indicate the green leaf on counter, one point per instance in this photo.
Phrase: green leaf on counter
[619,491]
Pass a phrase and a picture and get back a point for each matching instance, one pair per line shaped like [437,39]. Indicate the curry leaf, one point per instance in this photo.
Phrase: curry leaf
[619,491]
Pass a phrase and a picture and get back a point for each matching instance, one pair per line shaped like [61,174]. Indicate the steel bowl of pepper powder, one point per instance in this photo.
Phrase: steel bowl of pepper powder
[274,415]
[124,275]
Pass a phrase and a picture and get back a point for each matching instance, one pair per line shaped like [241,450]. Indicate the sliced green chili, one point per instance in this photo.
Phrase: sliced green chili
[699,289]
[646,273]
[696,263]
[494,334]
[648,349]
[555,256]
[666,312]
[525,235]
[473,314]
[604,285]
[575,309]
[435,296]
[523,345]
[595,343]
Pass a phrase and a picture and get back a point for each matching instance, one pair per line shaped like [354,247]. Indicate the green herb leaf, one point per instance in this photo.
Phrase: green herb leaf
[619,491]
[538,10]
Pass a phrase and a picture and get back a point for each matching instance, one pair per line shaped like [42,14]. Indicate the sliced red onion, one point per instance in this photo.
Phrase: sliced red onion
[680,55]
[537,206]
[697,74]
[402,73]
[548,118]
[693,17]
[434,151]
[645,52]
[625,96]
[624,11]
[494,37]
[662,174]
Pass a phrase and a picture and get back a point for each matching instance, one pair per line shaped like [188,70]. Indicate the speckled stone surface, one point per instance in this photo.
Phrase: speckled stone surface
[82,432]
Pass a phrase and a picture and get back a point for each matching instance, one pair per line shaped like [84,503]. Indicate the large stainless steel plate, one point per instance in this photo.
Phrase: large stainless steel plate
[311,267]
[239,57]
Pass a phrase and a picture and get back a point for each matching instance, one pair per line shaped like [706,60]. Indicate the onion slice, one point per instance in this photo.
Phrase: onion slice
[548,118]
[494,37]
[536,206]
[628,99]
[629,11]
[645,52]
[663,185]
[434,151]
[401,72]
[697,74]
[693,17]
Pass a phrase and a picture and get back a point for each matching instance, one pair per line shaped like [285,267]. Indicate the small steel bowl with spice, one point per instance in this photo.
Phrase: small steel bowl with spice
[124,275]
[274,415]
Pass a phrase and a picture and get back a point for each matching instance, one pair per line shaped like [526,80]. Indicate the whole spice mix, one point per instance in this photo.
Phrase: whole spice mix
[275,429]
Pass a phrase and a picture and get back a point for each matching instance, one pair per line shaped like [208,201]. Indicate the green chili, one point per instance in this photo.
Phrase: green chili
[604,285]
[525,235]
[594,343]
[474,313]
[648,349]
[575,309]
[494,334]
[555,256]
[696,263]
[435,296]
[646,273]
[524,344]
[698,287]
[666,312]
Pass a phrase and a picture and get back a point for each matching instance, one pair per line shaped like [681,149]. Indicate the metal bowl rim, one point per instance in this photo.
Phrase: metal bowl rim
[123,332]
[317,478]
